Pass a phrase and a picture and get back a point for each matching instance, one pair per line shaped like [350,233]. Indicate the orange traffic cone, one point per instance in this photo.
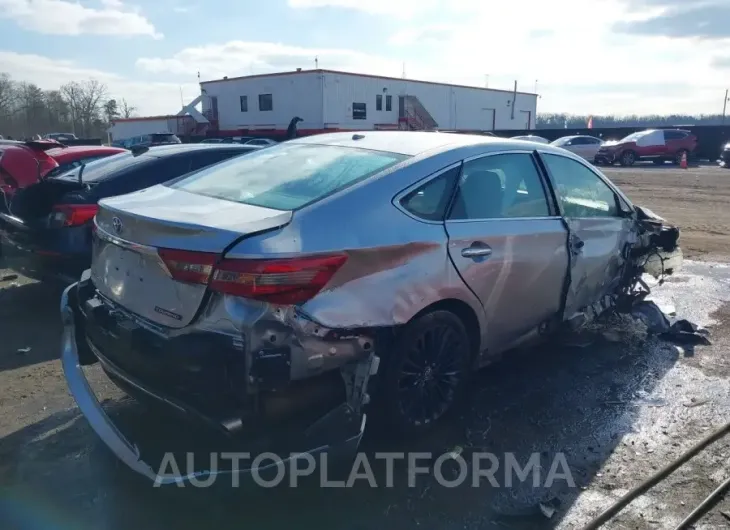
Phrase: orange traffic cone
[683,162]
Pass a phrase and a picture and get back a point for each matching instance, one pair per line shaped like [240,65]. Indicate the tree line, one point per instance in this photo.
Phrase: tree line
[571,121]
[83,108]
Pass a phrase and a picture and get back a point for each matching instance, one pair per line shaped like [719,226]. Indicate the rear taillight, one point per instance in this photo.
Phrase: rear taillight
[279,281]
[185,266]
[73,214]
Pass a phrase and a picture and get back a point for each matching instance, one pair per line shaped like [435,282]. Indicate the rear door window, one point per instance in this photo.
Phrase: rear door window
[288,176]
[153,171]
[500,187]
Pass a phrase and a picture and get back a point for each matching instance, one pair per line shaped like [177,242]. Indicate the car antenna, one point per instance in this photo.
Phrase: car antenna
[139,149]
[81,172]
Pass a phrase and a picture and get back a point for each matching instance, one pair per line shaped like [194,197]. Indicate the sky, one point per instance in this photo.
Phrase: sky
[581,56]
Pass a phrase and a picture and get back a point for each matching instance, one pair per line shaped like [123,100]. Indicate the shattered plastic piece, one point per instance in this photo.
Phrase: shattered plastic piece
[456,452]
[21,351]
[654,318]
[547,511]
[686,332]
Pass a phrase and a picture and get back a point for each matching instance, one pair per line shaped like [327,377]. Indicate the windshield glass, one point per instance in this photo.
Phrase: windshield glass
[287,176]
[164,138]
[98,169]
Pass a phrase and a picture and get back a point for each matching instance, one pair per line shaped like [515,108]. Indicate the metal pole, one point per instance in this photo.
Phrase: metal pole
[724,107]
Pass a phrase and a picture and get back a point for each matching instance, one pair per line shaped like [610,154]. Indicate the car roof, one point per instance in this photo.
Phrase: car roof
[410,143]
[174,149]
[422,145]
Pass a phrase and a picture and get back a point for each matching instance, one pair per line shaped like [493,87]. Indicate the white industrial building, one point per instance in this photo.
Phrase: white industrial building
[327,100]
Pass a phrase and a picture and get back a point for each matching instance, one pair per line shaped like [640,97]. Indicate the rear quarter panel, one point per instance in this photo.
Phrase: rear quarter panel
[396,265]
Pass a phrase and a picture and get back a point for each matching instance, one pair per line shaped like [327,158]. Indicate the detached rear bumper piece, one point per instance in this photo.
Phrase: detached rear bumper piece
[338,431]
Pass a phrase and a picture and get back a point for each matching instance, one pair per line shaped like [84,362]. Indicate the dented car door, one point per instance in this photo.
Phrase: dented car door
[508,244]
[599,229]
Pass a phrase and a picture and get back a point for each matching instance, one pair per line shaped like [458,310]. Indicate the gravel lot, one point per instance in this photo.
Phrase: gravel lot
[616,410]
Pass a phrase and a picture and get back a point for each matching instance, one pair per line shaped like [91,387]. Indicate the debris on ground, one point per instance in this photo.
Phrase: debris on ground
[23,351]
[680,331]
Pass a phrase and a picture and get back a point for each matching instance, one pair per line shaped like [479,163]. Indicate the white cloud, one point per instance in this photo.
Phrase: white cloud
[150,98]
[65,17]
[236,58]
[573,47]
[400,8]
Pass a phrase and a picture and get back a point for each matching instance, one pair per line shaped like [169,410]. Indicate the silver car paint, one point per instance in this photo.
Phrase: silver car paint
[397,265]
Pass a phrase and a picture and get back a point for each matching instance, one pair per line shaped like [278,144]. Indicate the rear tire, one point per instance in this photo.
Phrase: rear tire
[628,158]
[426,372]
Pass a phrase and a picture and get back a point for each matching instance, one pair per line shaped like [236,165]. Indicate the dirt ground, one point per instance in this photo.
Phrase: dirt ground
[696,199]
[616,410]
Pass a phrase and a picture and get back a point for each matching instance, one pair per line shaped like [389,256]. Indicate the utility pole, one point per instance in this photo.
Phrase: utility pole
[724,107]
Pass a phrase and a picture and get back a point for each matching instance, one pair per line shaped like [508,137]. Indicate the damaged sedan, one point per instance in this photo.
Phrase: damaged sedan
[297,288]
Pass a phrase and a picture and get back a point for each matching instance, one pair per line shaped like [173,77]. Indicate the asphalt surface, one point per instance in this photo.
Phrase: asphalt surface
[617,409]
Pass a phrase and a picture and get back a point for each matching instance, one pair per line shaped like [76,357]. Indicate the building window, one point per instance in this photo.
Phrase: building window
[266,102]
[359,111]
[378,102]
[244,103]
[388,103]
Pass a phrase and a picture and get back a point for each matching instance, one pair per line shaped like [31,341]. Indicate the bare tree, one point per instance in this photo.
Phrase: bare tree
[111,110]
[127,110]
[92,94]
[72,95]
[8,95]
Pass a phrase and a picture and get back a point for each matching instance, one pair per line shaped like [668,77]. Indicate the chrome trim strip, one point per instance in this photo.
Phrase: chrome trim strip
[120,242]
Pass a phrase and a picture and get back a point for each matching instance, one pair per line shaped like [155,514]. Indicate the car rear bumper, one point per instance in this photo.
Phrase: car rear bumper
[338,431]
[42,255]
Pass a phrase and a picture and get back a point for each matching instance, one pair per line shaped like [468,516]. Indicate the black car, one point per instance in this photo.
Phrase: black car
[47,232]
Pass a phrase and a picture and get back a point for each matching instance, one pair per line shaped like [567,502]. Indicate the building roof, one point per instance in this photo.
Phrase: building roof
[339,72]
[148,118]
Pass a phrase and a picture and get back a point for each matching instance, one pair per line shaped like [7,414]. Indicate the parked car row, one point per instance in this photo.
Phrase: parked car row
[257,290]
[657,145]
[245,140]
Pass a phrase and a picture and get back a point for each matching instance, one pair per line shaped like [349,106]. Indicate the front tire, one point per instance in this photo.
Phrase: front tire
[628,158]
[426,373]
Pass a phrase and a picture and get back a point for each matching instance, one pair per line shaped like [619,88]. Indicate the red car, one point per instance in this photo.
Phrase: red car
[658,145]
[25,163]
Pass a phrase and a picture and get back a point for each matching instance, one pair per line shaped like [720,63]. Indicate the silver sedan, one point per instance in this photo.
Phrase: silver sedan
[411,257]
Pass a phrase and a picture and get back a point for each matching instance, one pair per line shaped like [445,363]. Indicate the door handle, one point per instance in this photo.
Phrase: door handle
[476,252]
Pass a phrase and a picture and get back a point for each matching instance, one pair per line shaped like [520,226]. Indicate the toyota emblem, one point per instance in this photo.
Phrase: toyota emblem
[117,224]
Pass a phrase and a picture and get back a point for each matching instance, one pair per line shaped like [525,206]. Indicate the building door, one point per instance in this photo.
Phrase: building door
[527,117]
[488,120]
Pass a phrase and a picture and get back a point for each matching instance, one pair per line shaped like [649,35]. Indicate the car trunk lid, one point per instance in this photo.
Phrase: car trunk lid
[154,249]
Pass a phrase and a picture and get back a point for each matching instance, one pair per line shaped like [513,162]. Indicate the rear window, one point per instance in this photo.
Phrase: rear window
[287,176]
[100,169]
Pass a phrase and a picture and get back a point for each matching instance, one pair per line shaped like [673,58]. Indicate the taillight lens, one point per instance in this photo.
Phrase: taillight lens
[185,266]
[279,281]
[73,214]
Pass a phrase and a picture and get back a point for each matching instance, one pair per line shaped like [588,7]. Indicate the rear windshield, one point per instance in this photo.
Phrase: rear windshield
[287,176]
[100,169]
